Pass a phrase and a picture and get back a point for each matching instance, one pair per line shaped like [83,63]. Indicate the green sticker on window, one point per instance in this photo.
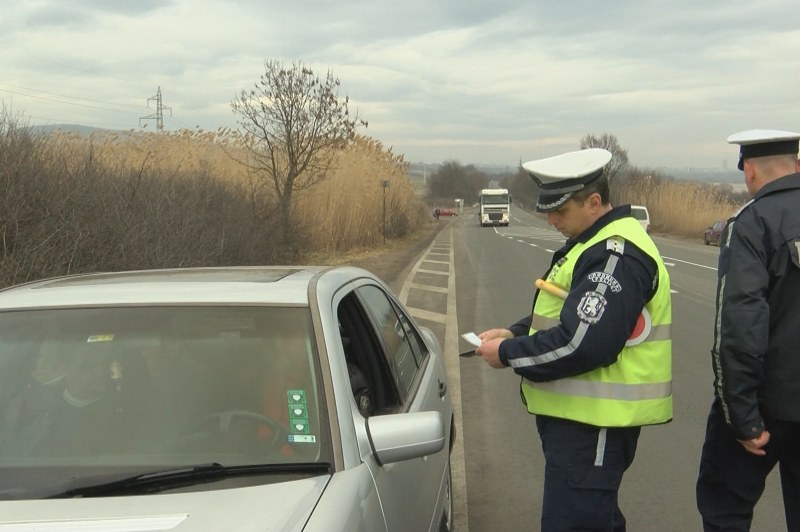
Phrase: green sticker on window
[298,412]
[299,425]
[296,396]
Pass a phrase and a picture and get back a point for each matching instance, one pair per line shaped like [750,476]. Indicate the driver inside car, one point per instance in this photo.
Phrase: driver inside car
[91,406]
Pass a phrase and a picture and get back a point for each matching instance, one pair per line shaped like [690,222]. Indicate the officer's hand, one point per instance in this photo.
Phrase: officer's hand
[756,445]
[489,351]
[491,334]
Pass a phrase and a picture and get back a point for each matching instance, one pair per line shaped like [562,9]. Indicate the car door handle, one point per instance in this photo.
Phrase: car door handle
[442,389]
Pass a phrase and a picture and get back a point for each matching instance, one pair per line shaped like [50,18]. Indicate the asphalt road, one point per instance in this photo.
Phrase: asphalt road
[471,278]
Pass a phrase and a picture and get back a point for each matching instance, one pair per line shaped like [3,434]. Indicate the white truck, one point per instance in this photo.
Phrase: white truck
[495,207]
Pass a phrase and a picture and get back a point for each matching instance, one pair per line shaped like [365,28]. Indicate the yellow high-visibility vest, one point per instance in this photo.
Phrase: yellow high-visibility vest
[636,389]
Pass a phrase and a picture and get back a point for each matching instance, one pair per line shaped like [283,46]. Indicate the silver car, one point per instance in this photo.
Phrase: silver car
[248,398]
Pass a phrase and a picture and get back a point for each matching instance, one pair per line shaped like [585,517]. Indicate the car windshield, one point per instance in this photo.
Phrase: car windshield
[90,391]
[495,199]
[639,213]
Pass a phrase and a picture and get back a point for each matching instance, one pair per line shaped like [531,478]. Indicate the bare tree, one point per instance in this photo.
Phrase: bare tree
[454,180]
[617,167]
[293,124]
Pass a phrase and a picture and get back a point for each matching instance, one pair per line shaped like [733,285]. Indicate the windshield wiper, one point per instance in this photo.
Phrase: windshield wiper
[155,481]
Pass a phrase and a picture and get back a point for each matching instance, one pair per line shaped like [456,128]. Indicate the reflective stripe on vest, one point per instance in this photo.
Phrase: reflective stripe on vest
[636,389]
[608,390]
[657,332]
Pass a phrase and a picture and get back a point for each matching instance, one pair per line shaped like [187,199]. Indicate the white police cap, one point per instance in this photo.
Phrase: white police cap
[764,142]
[561,176]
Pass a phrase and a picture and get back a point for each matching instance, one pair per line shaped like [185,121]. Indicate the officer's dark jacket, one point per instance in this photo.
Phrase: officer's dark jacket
[756,350]
[637,274]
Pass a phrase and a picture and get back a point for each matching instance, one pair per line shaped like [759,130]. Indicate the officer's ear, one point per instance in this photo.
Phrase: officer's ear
[749,170]
[595,201]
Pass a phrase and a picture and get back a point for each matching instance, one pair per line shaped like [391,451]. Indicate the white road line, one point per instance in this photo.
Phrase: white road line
[451,360]
[434,272]
[691,263]
[428,315]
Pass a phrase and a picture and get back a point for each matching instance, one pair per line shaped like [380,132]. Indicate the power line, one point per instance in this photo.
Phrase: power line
[8,88]
[61,96]
[65,102]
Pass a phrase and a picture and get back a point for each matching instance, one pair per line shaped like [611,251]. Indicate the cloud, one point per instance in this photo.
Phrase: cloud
[467,80]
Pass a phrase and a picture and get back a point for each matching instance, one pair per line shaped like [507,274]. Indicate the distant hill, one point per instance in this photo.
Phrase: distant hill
[704,175]
[68,128]
[421,171]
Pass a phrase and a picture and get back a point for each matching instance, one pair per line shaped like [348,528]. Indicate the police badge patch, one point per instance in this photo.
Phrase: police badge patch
[591,307]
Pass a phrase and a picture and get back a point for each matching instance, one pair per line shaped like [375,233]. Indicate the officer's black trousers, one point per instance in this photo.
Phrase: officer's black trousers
[583,471]
[731,480]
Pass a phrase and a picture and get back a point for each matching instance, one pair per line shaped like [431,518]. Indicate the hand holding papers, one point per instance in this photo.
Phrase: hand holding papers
[473,339]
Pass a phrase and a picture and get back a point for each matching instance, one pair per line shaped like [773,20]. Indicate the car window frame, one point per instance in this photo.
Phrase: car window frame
[405,329]
[355,323]
[409,394]
[390,352]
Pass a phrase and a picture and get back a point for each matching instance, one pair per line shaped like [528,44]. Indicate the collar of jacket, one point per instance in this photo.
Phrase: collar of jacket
[614,214]
[786,182]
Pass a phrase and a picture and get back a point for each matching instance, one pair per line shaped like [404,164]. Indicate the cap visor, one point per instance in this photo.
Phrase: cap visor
[552,202]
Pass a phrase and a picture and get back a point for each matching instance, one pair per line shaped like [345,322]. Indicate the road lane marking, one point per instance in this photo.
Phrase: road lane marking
[690,263]
[430,288]
[451,361]
[435,272]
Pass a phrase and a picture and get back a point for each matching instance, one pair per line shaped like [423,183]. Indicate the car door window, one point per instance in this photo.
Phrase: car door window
[393,332]
[372,381]
[418,347]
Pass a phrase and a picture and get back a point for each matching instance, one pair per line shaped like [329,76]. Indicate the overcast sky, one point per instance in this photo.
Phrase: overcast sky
[475,81]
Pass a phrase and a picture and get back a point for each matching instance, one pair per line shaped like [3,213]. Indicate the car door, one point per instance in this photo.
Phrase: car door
[404,376]
[718,228]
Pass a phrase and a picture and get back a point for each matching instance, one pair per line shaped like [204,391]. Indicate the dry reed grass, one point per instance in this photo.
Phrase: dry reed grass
[130,200]
[347,211]
[677,208]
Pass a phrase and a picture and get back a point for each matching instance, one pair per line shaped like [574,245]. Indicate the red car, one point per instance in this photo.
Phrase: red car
[713,232]
[441,211]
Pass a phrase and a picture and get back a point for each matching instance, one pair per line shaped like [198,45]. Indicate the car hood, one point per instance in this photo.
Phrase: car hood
[282,506]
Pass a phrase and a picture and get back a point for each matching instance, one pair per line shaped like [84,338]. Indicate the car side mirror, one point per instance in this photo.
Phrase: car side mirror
[398,437]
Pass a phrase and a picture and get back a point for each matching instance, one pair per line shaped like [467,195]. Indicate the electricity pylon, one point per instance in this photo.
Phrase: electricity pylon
[158,116]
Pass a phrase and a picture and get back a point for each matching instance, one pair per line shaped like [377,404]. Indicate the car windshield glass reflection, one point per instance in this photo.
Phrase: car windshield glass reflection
[83,390]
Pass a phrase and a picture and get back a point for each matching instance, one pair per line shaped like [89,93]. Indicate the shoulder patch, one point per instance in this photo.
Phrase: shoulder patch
[606,279]
[591,307]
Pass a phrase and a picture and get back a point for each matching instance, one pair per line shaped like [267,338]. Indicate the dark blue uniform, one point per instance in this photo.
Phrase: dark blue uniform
[584,464]
[756,361]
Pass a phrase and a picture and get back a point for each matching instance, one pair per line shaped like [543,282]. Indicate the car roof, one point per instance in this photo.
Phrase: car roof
[282,285]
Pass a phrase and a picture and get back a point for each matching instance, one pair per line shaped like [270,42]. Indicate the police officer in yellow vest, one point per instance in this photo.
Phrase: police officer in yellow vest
[595,355]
